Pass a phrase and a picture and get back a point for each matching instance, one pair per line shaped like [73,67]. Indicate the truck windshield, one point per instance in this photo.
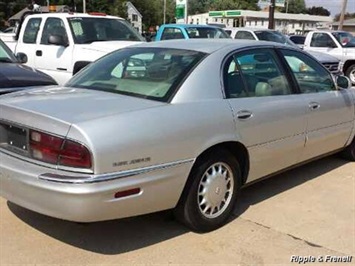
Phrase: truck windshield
[345,39]
[150,73]
[88,30]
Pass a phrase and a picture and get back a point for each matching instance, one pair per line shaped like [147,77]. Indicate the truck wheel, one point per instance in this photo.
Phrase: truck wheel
[210,193]
[350,73]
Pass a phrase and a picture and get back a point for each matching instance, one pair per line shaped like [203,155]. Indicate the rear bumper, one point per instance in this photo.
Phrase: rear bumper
[160,189]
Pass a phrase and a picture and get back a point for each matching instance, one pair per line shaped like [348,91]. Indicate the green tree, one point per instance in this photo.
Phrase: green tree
[199,6]
[318,10]
[235,4]
[9,8]
[118,8]
[295,7]
[152,11]
[98,5]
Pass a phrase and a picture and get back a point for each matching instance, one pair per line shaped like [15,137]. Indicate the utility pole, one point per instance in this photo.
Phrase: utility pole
[342,14]
[271,15]
[287,2]
[84,6]
[164,18]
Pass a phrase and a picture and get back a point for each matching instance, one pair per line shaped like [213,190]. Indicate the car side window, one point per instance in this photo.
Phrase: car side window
[246,35]
[31,30]
[255,73]
[171,34]
[309,74]
[53,26]
[322,40]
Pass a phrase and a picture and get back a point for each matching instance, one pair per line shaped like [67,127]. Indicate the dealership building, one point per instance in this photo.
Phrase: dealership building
[284,22]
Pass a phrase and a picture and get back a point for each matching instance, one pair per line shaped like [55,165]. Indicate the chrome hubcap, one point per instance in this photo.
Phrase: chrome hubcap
[215,190]
[352,76]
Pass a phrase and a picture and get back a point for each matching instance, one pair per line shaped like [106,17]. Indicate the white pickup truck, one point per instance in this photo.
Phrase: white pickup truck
[60,44]
[340,44]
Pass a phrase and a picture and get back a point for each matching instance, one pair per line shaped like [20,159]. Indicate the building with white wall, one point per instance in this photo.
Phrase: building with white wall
[134,17]
[284,22]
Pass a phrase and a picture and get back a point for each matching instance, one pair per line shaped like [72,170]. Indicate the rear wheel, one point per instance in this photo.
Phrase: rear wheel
[349,152]
[210,193]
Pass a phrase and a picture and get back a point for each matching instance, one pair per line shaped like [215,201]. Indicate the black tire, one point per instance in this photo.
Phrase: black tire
[221,188]
[350,73]
[349,152]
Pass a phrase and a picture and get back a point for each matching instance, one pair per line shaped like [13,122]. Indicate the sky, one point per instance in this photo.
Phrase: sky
[334,6]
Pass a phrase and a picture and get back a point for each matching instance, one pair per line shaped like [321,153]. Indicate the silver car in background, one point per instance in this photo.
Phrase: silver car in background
[180,125]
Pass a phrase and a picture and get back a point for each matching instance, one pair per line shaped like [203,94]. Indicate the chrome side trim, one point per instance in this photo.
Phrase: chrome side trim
[88,179]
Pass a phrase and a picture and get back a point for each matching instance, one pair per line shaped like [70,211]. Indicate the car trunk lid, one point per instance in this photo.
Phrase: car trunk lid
[68,105]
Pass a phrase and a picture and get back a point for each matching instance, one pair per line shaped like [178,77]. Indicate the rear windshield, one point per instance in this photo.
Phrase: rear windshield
[273,36]
[88,30]
[151,73]
[206,32]
[298,39]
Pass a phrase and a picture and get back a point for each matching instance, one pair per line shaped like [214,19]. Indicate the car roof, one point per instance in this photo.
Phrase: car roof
[191,26]
[330,31]
[256,29]
[206,45]
[73,15]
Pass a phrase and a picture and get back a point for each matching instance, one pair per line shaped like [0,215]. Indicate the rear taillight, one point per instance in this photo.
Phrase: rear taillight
[75,155]
[56,150]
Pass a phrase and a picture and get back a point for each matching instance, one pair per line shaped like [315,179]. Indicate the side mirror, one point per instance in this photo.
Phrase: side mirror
[343,82]
[22,58]
[57,40]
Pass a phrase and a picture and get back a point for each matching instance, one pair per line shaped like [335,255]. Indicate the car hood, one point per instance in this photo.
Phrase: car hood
[323,58]
[13,75]
[108,46]
[73,105]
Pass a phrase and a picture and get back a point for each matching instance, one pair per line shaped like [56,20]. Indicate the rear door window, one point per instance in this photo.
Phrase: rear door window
[255,73]
[31,30]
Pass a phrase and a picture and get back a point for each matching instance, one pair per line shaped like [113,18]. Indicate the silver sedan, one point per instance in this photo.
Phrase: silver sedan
[177,125]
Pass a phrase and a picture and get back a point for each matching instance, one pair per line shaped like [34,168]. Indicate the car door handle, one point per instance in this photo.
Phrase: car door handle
[38,53]
[244,114]
[313,105]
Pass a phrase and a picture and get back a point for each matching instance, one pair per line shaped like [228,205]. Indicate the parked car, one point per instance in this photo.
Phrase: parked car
[189,31]
[15,76]
[330,62]
[200,120]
